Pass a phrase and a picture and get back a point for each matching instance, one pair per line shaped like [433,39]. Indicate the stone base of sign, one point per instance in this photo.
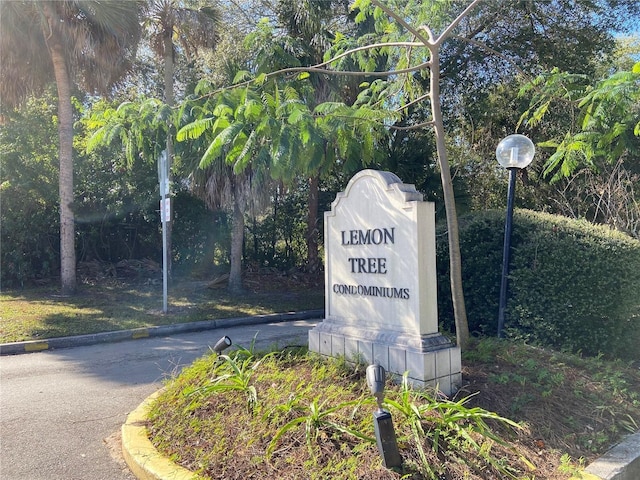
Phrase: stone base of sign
[431,360]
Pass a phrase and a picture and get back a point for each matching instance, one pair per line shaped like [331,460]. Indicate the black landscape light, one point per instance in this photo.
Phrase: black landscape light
[222,344]
[514,152]
[382,421]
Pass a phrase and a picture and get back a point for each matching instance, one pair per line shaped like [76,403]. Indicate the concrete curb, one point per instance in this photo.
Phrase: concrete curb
[622,462]
[16,348]
[144,461]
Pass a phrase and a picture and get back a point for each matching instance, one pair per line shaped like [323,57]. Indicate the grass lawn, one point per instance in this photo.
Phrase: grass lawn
[40,313]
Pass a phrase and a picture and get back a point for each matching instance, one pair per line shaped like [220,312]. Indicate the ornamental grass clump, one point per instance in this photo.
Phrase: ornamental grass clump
[293,415]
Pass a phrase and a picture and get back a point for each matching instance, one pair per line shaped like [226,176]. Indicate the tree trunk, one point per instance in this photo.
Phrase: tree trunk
[237,241]
[313,262]
[455,259]
[65,149]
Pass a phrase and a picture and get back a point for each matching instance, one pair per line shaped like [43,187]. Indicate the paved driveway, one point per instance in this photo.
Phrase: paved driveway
[61,410]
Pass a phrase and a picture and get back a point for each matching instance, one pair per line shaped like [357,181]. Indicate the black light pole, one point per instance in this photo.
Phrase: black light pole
[513,153]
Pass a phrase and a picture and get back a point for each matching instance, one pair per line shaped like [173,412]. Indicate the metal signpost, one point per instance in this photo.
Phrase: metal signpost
[165,217]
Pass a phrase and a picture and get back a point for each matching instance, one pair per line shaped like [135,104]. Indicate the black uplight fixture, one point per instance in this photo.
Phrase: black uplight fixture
[514,152]
[382,421]
[222,344]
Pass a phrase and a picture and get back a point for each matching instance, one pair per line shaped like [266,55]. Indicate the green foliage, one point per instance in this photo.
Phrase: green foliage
[200,237]
[572,285]
[277,238]
[586,401]
[450,429]
[608,118]
[116,191]
[29,191]
[272,124]
[315,414]
[139,127]
[233,373]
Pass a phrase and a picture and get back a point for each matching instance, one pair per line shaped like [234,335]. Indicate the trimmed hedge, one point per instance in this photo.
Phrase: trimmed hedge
[572,285]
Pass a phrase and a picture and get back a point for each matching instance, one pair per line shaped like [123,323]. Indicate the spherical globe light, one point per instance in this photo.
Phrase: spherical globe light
[515,151]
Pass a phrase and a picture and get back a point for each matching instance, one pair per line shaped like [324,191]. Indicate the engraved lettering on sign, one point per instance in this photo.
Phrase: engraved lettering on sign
[376,236]
[368,265]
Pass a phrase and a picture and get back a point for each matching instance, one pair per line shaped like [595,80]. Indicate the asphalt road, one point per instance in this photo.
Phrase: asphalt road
[61,410]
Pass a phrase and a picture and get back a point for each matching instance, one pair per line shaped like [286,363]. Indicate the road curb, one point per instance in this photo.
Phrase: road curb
[16,348]
[622,462]
[142,458]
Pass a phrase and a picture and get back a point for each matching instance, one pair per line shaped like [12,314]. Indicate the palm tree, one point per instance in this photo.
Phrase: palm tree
[310,26]
[191,28]
[234,169]
[82,43]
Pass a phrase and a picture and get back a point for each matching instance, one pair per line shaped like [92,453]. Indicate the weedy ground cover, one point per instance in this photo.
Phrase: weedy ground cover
[523,413]
[578,405]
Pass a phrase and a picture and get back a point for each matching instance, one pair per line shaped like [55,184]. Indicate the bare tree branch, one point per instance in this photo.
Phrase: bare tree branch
[353,73]
[419,99]
[401,21]
[318,68]
[443,36]
[430,123]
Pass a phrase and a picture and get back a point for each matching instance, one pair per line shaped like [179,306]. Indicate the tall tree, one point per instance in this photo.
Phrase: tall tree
[305,22]
[269,132]
[301,34]
[83,43]
[601,144]
[178,25]
[234,167]
[413,48]
[418,58]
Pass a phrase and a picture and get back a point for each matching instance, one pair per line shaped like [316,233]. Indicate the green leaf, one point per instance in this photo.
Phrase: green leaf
[549,144]
[328,107]
[195,129]
[124,106]
[220,124]
[222,110]
[163,114]
[202,87]
[296,116]
[223,139]
[254,110]
[261,79]
[96,139]
[244,156]
[242,76]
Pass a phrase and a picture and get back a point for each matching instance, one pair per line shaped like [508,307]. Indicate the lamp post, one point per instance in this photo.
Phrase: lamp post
[513,153]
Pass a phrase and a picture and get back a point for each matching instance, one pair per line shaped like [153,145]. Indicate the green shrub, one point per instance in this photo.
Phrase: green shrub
[200,237]
[572,285]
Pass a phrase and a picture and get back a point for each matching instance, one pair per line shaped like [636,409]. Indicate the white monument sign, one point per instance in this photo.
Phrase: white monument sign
[380,283]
